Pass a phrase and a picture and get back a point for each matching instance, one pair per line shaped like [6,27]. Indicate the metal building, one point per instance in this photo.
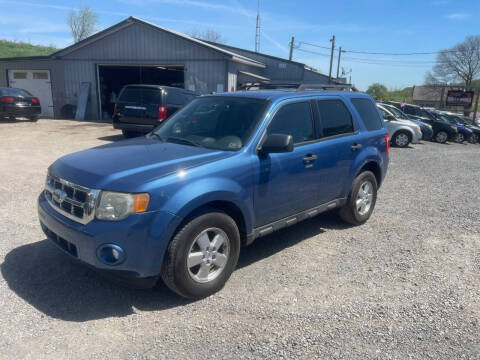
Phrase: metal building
[135,51]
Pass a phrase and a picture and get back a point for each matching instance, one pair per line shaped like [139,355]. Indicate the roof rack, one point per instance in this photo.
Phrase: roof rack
[326,87]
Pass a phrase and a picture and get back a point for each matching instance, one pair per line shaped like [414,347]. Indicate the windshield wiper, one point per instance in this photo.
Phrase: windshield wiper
[178,140]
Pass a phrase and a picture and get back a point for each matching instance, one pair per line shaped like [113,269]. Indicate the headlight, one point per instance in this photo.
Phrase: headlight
[453,127]
[418,128]
[115,206]
[429,126]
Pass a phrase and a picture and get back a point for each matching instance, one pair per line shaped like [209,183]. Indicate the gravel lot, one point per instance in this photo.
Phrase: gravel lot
[405,285]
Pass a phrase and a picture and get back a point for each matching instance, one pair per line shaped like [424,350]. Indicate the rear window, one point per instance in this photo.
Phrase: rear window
[175,97]
[141,95]
[335,118]
[368,113]
[15,92]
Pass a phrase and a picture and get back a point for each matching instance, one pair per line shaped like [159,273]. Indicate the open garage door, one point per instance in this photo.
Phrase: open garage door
[36,82]
[112,78]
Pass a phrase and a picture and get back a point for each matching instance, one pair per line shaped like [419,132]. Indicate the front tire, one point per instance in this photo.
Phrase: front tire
[401,139]
[441,137]
[202,255]
[459,138]
[361,200]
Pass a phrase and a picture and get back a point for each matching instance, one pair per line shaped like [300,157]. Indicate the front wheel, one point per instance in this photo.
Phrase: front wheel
[361,200]
[202,255]
[401,139]
[459,138]
[441,137]
[473,139]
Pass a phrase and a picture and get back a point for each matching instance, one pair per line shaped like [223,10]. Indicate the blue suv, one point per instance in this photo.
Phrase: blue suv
[226,169]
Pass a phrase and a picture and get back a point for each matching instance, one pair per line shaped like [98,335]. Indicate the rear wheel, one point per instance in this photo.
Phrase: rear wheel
[459,138]
[401,138]
[202,256]
[33,118]
[12,118]
[361,200]
[441,137]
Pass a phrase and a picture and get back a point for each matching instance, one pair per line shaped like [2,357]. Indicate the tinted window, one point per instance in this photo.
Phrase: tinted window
[175,97]
[16,92]
[410,110]
[335,117]
[294,119]
[368,113]
[141,95]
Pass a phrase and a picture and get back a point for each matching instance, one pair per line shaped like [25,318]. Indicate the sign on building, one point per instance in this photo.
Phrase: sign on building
[459,97]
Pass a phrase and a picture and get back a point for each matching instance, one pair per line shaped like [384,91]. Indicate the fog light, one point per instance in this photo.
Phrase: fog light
[111,254]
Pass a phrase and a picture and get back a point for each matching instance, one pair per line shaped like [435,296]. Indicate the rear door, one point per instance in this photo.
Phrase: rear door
[339,146]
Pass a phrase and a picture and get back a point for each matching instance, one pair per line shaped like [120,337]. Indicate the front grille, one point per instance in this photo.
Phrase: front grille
[71,200]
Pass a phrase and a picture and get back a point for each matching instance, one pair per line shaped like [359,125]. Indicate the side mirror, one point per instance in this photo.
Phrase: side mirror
[277,143]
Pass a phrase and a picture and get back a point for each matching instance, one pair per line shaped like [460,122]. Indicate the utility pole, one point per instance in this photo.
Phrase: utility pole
[338,63]
[332,40]
[291,48]
[257,31]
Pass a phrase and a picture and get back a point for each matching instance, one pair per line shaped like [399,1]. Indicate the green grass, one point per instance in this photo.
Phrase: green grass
[15,49]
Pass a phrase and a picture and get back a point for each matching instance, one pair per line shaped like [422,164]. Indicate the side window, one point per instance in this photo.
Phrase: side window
[409,110]
[175,98]
[335,118]
[294,119]
[368,113]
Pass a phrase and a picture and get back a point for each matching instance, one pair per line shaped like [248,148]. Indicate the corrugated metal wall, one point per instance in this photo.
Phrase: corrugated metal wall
[56,76]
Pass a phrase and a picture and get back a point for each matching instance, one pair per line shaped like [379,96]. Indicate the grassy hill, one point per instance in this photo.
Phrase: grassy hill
[15,48]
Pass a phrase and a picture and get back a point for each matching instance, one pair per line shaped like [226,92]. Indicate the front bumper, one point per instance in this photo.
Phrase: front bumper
[143,237]
[417,137]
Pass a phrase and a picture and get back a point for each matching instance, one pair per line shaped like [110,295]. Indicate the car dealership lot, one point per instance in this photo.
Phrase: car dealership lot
[404,285]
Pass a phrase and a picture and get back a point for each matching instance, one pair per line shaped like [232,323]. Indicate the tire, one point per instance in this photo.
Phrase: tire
[401,138]
[34,119]
[351,212]
[441,137]
[129,134]
[205,275]
[459,138]
[12,118]
[474,139]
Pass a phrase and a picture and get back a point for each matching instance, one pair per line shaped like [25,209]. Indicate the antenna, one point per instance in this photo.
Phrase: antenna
[257,31]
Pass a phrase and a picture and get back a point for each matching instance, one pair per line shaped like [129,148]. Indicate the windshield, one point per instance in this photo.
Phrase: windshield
[442,118]
[396,112]
[217,122]
[424,113]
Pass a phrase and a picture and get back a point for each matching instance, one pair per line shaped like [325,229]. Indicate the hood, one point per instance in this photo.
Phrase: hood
[124,165]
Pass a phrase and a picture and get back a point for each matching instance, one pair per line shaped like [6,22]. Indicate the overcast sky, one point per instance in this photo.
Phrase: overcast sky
[387,26]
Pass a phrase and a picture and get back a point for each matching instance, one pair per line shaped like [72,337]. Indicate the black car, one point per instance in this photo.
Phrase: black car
[471,125]
[442,129]
[18,103]
[141,108]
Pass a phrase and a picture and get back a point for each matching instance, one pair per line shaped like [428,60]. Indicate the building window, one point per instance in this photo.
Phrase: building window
[19,75]
[40,75]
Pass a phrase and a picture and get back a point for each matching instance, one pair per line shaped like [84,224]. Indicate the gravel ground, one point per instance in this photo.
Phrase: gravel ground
[403,286]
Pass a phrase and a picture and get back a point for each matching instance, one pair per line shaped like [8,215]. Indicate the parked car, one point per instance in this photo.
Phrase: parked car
[18,103]
[442,129]
[427,131]
[402,132]
[464,133]
[413,111]
[223,171]
[470,124]
[141,108]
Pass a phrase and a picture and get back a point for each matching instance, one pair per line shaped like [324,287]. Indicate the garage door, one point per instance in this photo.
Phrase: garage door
[36,82]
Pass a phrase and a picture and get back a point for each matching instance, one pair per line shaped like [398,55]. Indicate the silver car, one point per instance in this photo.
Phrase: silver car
[402,132]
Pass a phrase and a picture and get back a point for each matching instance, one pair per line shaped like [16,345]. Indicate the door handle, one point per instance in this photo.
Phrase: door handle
[356,146]
[309,159]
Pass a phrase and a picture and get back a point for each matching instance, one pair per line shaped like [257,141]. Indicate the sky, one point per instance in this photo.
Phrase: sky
[375,26]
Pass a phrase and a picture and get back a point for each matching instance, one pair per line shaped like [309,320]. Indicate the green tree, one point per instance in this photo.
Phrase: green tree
[377,90]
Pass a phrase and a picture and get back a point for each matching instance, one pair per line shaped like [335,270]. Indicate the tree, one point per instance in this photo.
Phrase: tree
[459,63]
[377,90]
[208,35]
[83,23]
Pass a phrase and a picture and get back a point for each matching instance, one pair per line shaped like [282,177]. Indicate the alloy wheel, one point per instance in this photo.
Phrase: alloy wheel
[364,198]
[401,140]
[208,255]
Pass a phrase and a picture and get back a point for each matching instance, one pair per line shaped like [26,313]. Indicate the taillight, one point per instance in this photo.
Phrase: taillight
[162,112]
[7,99]
[387,144]
[115,110]
[35,101]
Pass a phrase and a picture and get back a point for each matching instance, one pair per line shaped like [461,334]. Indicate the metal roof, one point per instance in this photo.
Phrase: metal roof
[131,20]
